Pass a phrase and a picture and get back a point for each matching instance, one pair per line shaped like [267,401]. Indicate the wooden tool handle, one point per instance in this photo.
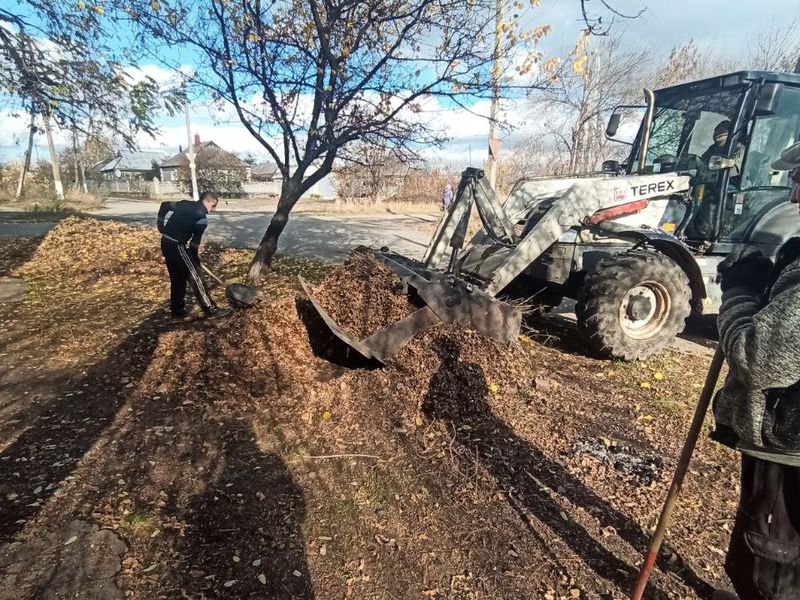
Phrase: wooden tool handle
[680,472]
[210,274]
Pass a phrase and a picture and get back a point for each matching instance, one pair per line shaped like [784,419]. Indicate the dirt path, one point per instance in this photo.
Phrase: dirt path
[234,460]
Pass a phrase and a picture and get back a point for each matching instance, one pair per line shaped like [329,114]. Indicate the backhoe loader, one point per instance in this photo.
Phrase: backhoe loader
[636,245]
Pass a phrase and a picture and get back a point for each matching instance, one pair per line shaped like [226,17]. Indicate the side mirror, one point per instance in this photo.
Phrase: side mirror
[611,166]
[769,96]
[613,125]
[718,163]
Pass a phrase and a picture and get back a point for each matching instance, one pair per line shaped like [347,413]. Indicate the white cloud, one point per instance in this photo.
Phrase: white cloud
[14,137]
[165,78]
[468,129]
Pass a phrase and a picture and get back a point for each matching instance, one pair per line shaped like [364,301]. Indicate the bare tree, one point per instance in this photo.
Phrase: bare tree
[369,171]
[532,156]
[584,91]
[776,47]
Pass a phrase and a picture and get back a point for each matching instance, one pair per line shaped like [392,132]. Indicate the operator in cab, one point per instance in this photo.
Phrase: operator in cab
[757,412]
[721,133]
[702,225]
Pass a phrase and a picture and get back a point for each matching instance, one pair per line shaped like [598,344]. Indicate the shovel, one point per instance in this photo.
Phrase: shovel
[680,473]
[238,293]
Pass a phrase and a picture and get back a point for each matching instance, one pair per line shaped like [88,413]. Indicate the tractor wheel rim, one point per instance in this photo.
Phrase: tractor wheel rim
[644,310]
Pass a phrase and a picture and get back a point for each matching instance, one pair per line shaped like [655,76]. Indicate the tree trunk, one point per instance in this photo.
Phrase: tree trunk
[76,185]
[83,175]
[269,243]
[26,164]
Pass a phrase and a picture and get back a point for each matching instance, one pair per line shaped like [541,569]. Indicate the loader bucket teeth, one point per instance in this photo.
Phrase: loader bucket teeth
[340,333]
[385,343]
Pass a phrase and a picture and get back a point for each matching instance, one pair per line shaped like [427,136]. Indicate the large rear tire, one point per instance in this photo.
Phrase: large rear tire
[633,304]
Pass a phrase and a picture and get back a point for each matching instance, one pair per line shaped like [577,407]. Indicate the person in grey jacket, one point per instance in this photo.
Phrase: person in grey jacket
[758,412]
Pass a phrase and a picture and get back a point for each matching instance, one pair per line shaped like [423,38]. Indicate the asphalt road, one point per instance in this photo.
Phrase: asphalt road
[328,236]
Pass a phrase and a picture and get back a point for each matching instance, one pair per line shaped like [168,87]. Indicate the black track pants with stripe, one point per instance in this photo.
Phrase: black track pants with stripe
[181,269]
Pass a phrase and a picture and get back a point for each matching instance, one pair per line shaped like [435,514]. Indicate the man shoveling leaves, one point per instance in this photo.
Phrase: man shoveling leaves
[186,225]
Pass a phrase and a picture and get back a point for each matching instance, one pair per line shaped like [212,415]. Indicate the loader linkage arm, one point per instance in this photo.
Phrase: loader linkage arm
[452,230]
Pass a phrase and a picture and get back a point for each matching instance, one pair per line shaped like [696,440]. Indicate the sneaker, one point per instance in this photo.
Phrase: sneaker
[217,313]
[723,595]
[179,314]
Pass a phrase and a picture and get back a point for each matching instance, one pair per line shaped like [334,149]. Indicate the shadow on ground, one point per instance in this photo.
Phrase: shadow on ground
[15,252]
[35,465]
[457,394]
[243,534]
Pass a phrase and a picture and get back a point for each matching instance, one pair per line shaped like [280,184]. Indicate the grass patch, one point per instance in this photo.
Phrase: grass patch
[139,520]
[380,487]
[297,457]
[45,207]
[344,509]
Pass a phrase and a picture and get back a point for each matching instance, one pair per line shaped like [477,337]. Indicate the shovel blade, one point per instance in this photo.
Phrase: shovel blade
[243,294]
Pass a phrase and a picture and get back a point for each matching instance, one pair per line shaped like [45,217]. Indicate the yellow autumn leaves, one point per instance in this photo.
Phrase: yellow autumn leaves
[657,375]
[98,8]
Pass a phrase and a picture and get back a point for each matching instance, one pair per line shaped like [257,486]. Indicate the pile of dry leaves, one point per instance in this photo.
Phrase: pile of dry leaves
[91,248]
[363,296]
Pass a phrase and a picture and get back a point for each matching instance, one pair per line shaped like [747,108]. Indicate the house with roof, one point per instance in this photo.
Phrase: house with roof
[138,166]
[208,156]
[266,172]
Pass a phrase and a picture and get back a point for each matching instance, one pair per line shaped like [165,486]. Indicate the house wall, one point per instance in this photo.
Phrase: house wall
[169,174]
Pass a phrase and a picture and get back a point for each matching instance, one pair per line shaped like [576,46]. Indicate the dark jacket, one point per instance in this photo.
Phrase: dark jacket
[187,223]
[758,409]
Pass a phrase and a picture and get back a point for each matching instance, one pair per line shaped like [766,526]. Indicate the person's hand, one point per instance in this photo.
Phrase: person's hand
[747,268]
[194,255]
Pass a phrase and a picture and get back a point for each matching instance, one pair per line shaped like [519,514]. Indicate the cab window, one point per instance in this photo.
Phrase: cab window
[770,136]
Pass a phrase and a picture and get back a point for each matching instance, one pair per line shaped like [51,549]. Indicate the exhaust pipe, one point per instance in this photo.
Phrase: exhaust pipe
[647,124]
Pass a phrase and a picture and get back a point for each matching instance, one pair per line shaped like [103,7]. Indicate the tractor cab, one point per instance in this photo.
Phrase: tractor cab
[725,132]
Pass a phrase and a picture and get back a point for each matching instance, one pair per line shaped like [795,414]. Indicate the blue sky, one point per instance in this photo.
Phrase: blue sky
[723,26]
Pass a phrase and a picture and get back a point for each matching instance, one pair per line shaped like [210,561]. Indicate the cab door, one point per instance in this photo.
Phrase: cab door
[755,188]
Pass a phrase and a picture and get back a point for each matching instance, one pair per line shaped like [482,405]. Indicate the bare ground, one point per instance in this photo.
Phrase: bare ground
[146,458]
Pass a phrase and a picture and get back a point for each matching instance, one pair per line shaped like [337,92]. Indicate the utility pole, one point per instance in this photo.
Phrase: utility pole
[77,182]
[494,143]
[53,157]
[26,162]
[190,155]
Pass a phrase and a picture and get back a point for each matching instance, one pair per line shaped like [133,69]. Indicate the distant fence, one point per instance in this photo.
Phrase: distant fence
[159,189]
